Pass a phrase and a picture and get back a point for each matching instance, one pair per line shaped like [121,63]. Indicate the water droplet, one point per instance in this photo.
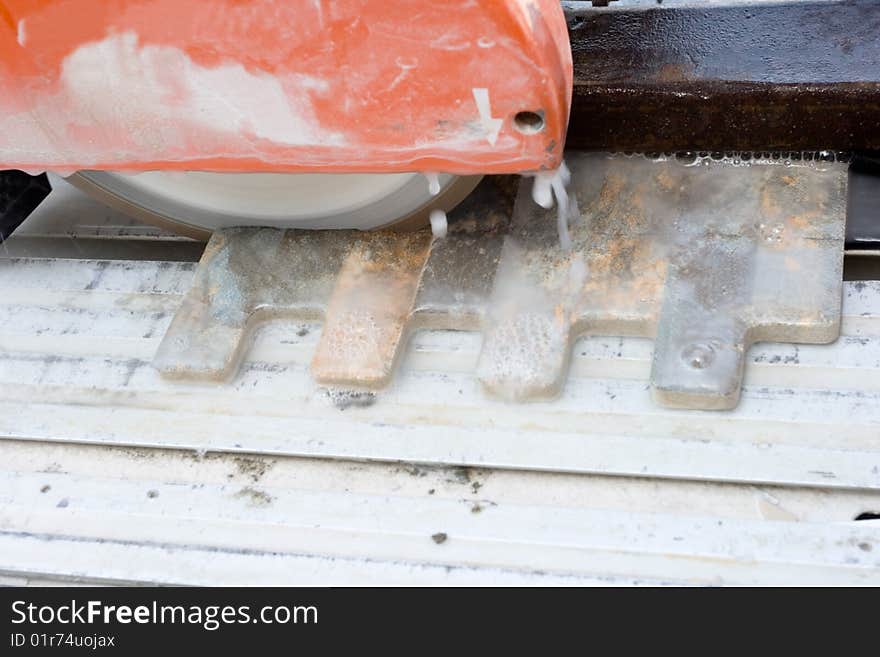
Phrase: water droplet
[439,225]
[433,183]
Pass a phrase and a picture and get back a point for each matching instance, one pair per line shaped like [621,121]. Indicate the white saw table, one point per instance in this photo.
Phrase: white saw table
[110,474]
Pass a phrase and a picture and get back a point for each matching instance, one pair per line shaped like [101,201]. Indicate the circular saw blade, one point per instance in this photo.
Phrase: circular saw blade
[197,203]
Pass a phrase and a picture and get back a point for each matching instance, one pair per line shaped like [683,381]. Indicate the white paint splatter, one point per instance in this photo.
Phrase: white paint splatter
[439,224]
[451,42]
[491,125]
[148,102]
[406,64]
[319,7]
[142,81]
[21,33]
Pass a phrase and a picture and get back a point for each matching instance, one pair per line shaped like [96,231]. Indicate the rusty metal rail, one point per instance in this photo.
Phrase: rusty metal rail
[796,75]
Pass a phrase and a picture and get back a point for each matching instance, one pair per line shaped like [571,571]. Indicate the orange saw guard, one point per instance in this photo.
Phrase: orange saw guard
[467,87]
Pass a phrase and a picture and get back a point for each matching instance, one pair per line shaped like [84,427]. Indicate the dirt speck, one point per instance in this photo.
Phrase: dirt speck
[152,494]
[866,547]
[439,538]
[45,488]
[412,470]
[345,399]
[459,475]
[252,467]
[137,453]
[63,503]
[254,497]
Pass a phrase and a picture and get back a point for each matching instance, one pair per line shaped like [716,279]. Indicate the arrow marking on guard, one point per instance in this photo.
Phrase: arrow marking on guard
[491,126]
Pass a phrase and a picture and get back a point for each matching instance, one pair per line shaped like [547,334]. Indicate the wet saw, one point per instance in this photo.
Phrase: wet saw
[366,114]
[295,113]
[740,141]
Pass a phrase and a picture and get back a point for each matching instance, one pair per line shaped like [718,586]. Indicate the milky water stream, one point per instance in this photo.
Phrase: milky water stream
[554,184]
